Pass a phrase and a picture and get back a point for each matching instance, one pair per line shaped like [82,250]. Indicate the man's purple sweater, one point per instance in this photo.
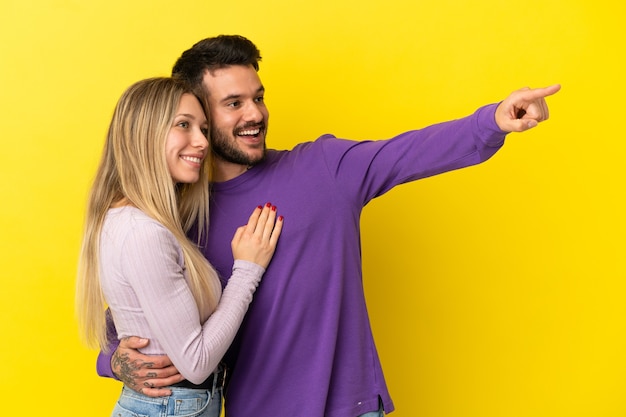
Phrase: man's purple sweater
[306,347]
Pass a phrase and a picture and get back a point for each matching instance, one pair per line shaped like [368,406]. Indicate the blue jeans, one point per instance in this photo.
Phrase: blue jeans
[183,402]
[379,413]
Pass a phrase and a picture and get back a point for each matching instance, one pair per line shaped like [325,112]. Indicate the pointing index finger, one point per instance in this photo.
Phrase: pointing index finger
[535,93]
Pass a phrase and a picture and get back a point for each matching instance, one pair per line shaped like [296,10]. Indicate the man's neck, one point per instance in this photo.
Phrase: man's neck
[224,171]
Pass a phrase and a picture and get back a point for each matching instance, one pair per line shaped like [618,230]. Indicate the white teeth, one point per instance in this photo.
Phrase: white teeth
[191,159]
[249,132]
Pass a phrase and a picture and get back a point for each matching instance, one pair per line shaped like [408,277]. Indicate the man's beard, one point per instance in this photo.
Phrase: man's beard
[225,147]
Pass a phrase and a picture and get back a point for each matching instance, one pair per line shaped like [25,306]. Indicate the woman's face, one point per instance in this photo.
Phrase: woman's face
[187,145]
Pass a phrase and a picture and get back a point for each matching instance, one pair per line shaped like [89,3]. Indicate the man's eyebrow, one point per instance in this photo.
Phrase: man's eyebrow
[230,97]
[259,90]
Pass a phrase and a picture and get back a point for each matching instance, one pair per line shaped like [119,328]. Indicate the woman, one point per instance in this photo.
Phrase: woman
[151,187]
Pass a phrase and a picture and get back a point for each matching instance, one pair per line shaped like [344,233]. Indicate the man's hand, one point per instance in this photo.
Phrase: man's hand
[524,108]
[143,373]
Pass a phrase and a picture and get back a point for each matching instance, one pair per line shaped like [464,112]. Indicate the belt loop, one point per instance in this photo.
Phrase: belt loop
[214,384]
[225,371]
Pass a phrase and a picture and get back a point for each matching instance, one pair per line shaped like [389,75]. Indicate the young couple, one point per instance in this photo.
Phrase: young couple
[305,346]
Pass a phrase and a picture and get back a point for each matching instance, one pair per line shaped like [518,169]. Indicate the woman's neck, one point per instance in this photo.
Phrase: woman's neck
[121,203]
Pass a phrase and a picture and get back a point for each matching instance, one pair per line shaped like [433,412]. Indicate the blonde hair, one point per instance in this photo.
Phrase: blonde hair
[133,167]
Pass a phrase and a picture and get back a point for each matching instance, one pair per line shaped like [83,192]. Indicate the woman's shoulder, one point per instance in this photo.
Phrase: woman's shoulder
[129,214]
[130,222]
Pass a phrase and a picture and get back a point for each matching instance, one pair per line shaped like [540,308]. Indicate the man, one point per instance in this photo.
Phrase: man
[306,346]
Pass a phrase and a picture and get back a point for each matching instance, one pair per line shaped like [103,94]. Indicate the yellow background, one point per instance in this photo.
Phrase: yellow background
[497,290]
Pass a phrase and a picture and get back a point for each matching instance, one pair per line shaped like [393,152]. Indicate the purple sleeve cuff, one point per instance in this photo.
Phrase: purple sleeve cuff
[103,363]
[489,132]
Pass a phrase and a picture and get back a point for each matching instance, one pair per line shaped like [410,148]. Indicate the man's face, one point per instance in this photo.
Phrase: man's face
[238,114]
